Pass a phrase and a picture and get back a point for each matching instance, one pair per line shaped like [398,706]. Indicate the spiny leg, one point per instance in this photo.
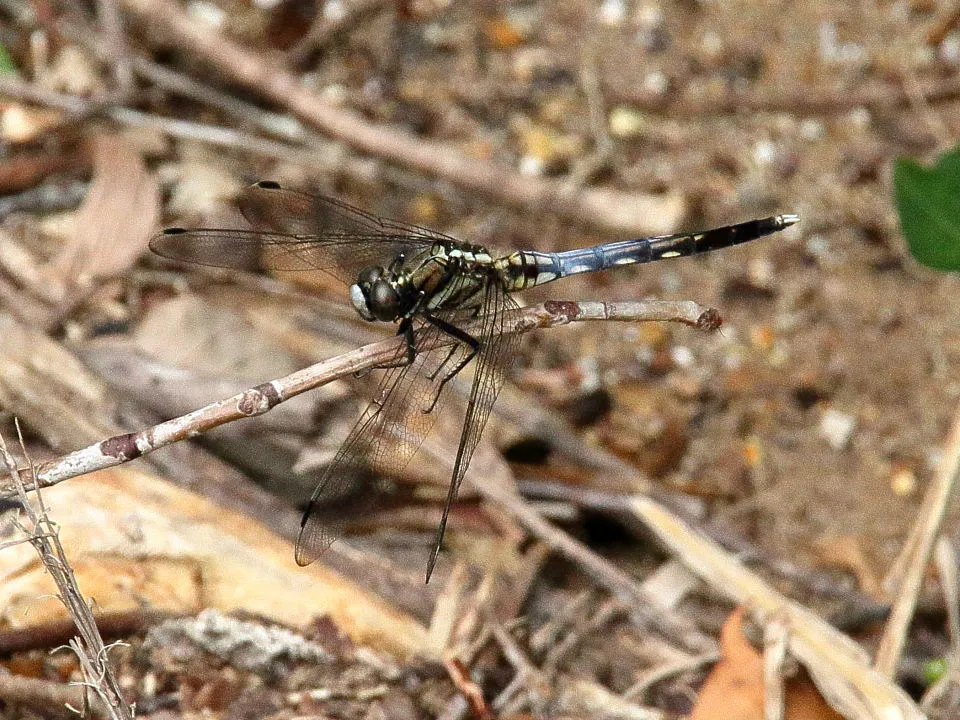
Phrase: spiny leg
[459,335]
[405,329]
[463,337]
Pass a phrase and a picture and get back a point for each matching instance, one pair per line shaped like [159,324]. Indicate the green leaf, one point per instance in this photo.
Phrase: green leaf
[928,201]
[935,669]
[7,66]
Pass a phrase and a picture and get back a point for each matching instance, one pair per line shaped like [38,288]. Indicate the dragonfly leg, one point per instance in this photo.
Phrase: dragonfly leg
[459,335]
[405,329]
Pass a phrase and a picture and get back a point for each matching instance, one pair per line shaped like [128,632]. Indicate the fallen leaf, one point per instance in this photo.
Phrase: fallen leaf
[116,219]
[734,690]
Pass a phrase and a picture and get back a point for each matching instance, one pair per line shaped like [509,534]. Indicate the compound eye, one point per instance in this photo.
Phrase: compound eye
[369,276]
[383,301]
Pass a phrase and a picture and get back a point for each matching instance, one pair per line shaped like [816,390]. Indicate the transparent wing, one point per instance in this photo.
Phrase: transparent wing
[403,412]
[295,231]
[389,432]
[498,346]
[268,206]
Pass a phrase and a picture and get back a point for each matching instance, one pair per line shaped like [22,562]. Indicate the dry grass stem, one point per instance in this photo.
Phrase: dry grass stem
[912,563]
[838,665]
[88,645]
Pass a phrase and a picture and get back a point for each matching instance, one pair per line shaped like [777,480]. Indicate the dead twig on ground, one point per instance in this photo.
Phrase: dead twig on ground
[460,676]
[642,607]
[776,634]
[325,30]
[838,665]
[871,94]
[46,697]
[942,698]
[52,633]
[905,579]
[613,210]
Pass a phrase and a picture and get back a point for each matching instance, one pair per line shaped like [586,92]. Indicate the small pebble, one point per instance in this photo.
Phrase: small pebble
[811,129]
[837,428]
[208,14]
[904,482]
[612,12]
[682,356]
[655,83]
[625,122]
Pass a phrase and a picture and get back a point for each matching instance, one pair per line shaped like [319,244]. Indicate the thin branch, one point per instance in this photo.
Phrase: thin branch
[912,563]
[776,634]
[605,208]
[326,30]
[874,94]
[642,607]
[48,698]
[839,666]
[262,398]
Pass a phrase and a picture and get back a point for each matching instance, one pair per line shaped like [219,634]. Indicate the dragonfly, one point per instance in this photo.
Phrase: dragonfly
[450,301]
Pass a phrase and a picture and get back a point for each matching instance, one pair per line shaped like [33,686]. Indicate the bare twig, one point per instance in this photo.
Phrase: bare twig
[89,645]
[639,689]
[262,398]
[558,653]
[328,158]
[912,563]
[838,665]
[943,697]
[529,686]
[548,633]
[460,676]
[946,559]
[799,98]
[609,209]
[641,606]
[115,39]
[54,633]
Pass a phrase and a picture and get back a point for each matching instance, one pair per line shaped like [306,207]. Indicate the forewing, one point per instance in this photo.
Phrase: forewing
[390,431]
[498,346]
[267,206]
[295,231]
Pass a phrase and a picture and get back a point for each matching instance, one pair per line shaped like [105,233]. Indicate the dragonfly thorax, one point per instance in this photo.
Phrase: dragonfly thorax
[376,296]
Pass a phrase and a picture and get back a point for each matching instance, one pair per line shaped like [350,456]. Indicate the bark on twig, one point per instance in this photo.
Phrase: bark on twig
[262,398]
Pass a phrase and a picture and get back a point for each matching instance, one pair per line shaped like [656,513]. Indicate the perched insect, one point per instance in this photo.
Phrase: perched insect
[429,284]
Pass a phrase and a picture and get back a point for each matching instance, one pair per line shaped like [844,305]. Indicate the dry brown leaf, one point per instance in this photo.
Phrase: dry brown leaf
[135,539]
[734,690]
[116,220]
[846,551]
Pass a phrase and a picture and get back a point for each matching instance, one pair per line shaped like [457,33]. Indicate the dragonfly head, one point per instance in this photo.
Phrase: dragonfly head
[374,296]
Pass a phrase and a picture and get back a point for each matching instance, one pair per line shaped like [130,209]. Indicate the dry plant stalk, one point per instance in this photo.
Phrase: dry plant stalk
[88,645]
[906,577]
